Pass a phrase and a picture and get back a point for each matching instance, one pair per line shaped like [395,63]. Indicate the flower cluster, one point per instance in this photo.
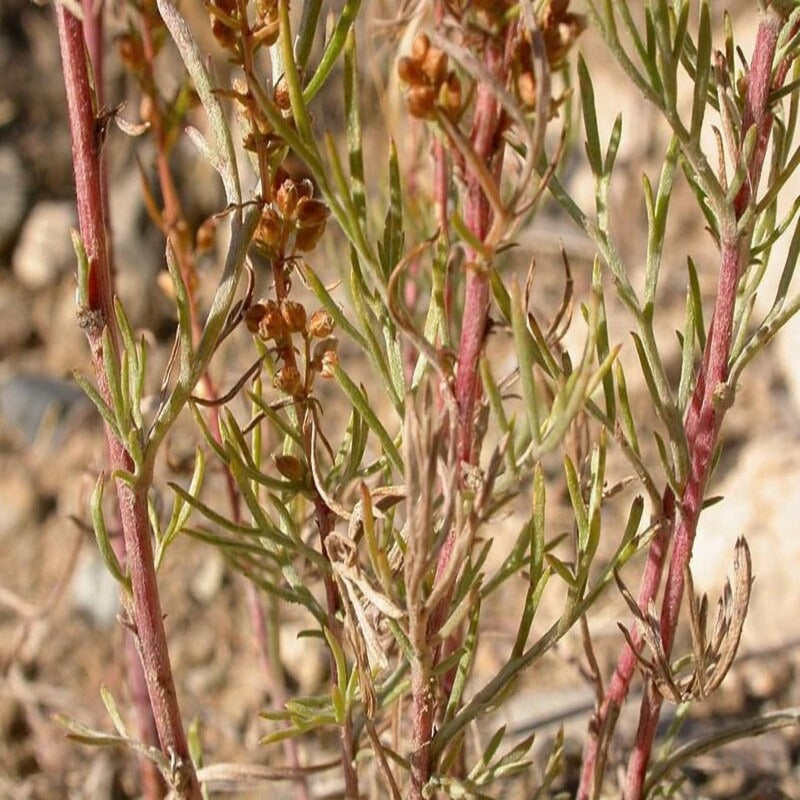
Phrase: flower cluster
[430,83]
[293,212]
[227,25]
[560,29]
[278,322]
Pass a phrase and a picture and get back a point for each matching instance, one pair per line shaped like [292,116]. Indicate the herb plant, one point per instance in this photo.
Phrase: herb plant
[382,530]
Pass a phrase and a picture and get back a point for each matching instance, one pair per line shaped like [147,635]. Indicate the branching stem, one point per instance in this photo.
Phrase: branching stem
[147,617]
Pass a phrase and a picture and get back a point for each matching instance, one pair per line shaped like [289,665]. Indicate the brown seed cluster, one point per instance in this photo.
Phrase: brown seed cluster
[294,211]
[560,29]
[227,25]
[430,83]
[278,323]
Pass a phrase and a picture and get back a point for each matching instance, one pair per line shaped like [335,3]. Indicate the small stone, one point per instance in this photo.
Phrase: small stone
[207,581]
[29,400]
[13,197]
[44,251]
[303,658]
[94,590]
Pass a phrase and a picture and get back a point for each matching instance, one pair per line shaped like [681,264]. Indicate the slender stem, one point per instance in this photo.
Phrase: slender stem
[706,411]
[478,218]
[487,149]
[96,317]
[701,426]
[604,719]
[153,786]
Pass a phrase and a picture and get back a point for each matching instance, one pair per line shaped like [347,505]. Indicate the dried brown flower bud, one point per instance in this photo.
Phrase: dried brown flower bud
[450,96]
[434,65]
[294,315]
[325,355]
[291,467]
[272,325]
[308,236]
[305,188]
[421,101]
[311,216]
[281,96]
[286,198]
[420,47]
[560,29]
[279,177]
[269,231]
[253,316]
[311,211]
[330,359]
[321,324]
[409,70]
[223,30]
[264,318]
[288,380]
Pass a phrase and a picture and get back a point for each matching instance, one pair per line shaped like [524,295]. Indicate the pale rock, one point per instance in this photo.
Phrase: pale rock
[304,658]
[44,251]
[207,580]
[94,590]
[762,503]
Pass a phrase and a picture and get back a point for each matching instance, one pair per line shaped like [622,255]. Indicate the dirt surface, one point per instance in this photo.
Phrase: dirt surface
[60,640]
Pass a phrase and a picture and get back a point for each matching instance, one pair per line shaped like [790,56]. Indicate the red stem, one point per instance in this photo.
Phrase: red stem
[478,218]
[96,317]
[702,426]
[153,786]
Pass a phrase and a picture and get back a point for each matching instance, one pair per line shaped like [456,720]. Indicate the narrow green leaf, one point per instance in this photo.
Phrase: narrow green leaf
[603,347]
[666,464]
[111,706]
[391,250]
[592,145]
[523,347]
[181,511]
[697,304]
[657,211]
[352,115]
[101,536]
[111,368]
[183,305]
[702,73]
[212,516]
[613,146]
[686,341]
[82,271]
[105,412]
[333,49]
[306,32]
[577,502]
[561,569]
[360,401]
